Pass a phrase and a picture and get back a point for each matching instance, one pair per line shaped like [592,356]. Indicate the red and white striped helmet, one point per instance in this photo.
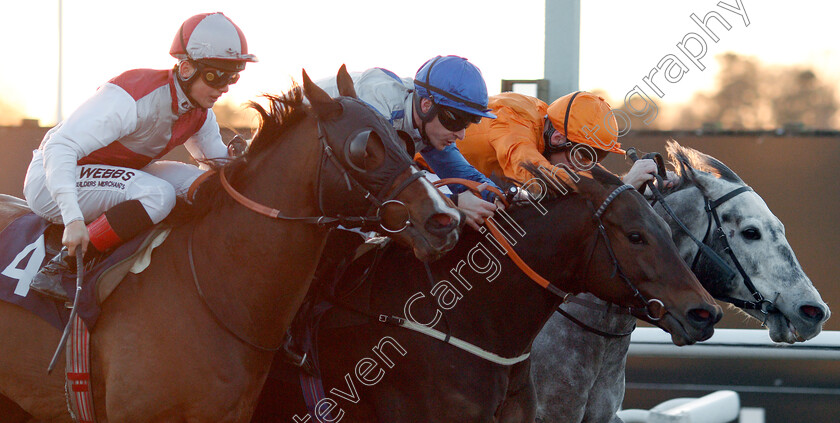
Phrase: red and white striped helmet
[211,37]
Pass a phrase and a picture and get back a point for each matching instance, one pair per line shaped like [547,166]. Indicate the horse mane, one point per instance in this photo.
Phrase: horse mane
[284,112]
[684,156]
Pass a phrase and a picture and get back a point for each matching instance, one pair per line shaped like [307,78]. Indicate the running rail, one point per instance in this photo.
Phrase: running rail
[717,407]
[735,343]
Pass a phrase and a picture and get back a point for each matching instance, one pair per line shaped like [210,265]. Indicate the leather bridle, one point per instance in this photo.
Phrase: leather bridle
[654,308]
[761,304]
[378,201]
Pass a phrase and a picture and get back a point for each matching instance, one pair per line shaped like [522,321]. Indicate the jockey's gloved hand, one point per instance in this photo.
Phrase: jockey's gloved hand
[475,209]
[641,172]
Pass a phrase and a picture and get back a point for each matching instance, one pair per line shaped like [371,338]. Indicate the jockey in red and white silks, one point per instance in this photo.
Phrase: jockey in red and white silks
[105,152]
[97,172]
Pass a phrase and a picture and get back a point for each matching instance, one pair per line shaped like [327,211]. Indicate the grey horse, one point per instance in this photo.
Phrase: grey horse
[579,374]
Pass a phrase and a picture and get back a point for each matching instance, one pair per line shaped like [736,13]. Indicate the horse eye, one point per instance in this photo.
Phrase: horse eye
[751,234]
[636,238]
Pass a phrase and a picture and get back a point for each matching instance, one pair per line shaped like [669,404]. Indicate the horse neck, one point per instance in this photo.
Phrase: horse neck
[505,313]
[260,268]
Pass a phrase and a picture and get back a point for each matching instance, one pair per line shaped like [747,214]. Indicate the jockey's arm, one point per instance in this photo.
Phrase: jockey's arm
[450,163]
[108,115]
[207,143]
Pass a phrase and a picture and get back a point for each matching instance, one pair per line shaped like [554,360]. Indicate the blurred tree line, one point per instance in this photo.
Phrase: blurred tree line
[230,115]
[749,94]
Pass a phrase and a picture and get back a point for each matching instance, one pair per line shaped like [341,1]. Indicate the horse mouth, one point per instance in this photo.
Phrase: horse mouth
[683,333]
[781,329]
[424,247]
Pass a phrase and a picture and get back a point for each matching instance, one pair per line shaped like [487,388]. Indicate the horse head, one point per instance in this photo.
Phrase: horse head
[630,246]
[366,172]
[792,309]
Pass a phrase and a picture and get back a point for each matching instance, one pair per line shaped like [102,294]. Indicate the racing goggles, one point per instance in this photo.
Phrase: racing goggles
[456,120]
[216,78]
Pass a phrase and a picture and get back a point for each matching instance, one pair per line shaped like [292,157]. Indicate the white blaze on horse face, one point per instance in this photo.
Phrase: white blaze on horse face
[434,195]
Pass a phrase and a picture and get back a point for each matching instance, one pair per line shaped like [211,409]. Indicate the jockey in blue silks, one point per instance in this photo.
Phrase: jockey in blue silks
[447,94]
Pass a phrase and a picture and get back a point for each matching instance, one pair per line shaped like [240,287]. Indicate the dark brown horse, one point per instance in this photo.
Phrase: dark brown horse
[382,372]
[162,352]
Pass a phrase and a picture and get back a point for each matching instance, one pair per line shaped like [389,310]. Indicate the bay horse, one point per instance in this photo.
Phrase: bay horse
[487,311]
[192,337]
[579,374]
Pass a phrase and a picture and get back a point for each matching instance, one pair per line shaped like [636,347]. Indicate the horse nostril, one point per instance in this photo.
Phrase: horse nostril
[704,317]
[440,224]
[442,219]
[700,315]
[812,312]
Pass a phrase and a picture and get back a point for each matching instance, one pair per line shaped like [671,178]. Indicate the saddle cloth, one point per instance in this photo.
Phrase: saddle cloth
[24,250]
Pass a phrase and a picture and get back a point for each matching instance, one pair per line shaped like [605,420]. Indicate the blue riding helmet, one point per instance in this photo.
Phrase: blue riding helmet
[453,81]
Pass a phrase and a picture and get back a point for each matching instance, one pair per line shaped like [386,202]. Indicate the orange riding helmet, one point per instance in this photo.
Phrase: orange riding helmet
[583,118]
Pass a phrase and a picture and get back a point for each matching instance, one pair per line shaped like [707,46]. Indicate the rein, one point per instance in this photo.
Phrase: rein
[537,278]
[322,221]
[213,313]
[328,221]
[706,250]
[445,337]
[588,328]
[761,304]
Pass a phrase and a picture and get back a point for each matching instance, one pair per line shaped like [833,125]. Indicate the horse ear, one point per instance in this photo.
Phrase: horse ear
[345,83]
[694,176]
[322,103]
[409,143]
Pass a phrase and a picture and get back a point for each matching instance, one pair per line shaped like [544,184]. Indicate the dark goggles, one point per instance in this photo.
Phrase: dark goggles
[216,78]
[455,120]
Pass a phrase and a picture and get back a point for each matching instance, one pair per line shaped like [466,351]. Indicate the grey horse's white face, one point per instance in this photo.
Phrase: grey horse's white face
[757,238]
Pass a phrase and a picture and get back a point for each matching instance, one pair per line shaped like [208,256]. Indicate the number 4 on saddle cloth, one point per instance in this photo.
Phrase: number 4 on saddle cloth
[26,246]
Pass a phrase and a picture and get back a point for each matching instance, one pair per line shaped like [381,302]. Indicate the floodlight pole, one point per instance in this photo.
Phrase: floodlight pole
[562,47]
[58,115]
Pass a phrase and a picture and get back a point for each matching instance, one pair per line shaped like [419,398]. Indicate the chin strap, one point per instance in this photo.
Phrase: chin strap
[550,130]
[185,84]
[424,117]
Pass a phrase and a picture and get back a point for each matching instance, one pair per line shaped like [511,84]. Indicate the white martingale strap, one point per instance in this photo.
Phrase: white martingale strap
[458,343]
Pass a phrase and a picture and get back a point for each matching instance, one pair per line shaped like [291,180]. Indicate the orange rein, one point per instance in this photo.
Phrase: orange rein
[241,199]
[491,225]
[251,204]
